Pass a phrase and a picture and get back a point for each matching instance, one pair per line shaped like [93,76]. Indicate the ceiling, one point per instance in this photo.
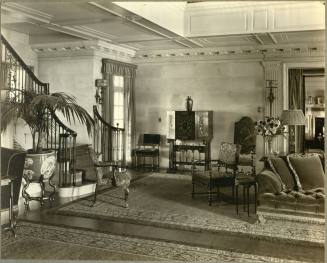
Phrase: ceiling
[102,20]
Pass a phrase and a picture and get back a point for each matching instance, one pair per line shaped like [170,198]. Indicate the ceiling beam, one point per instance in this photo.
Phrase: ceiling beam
[78,22]
[130,17]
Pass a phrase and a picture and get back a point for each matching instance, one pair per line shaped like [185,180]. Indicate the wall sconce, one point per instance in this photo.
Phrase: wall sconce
[100,85]
[271,84]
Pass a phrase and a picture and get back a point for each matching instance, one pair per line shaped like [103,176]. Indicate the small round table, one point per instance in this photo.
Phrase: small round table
[246,183]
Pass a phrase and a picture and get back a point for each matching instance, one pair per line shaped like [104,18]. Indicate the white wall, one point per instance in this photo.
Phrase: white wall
[231,89]
[72,75]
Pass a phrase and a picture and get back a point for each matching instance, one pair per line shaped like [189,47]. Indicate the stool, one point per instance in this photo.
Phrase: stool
[246,183]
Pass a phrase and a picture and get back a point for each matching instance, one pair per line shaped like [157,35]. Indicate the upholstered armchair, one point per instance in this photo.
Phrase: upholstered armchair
[111,173]
[221,173]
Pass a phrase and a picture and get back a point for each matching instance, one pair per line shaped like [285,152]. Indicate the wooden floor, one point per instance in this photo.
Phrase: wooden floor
[199,239]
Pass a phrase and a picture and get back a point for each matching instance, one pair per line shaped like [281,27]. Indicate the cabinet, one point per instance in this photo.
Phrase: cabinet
[194,129]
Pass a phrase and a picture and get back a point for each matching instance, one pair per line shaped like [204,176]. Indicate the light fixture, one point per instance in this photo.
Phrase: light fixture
[100,84]
[292,118]
[271,85]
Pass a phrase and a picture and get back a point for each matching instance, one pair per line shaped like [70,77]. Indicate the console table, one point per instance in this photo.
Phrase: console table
[194,130]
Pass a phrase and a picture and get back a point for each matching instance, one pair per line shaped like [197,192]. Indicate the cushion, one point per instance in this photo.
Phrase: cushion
[269,182]
[229,152]
[280,168]
[308,169]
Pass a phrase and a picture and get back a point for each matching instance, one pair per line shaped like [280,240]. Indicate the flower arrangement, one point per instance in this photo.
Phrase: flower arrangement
[270,127]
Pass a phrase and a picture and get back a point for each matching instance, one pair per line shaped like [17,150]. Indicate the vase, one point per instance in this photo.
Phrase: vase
[270,151]
[189,103]
[39,168]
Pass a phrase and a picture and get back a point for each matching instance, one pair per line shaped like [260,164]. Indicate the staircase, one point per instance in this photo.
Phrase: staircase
[109,141]
[16,75]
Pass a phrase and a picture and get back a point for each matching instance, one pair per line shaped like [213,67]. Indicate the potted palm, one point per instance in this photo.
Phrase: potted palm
[34,108]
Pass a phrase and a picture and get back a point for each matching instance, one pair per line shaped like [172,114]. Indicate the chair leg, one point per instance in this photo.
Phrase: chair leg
[152,163]
[255,197]
[94,196]
[51,196]
[244,198]
[193,189]
[113,179]
[41,182]
[126,191]
[210,194]
[11,211]
[248,199]
[236,198]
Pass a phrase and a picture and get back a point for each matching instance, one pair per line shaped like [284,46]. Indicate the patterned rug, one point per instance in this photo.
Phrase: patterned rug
[164,200]
[45,242]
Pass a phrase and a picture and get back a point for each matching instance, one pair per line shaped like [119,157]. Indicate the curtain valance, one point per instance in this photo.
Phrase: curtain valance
[118,68]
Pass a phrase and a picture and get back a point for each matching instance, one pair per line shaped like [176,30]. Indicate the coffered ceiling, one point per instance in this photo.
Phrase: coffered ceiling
[60,21]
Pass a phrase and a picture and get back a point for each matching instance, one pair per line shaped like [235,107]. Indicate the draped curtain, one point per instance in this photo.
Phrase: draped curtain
[112,68]
[296,101]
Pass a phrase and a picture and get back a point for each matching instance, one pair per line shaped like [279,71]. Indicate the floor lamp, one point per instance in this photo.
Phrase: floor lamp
[292,118]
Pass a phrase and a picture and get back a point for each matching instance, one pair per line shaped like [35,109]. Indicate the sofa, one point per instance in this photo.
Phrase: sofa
[293,183]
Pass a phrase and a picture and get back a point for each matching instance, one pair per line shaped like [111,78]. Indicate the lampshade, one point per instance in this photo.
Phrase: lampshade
[293,117]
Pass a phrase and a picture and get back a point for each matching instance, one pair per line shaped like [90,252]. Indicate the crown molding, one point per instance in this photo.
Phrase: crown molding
[263,52]
[83,48]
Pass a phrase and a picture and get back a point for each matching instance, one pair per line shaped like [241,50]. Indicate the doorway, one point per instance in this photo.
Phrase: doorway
[314,87]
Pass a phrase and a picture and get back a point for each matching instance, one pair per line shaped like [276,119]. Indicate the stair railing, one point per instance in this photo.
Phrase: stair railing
[109,141]
[17,77]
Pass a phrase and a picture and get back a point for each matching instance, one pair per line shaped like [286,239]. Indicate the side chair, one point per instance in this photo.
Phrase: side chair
[106,172]
[221,173]
[12,169]
[149,148]
[244,134]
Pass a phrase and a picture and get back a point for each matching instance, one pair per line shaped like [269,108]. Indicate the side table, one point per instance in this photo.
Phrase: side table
[246,183]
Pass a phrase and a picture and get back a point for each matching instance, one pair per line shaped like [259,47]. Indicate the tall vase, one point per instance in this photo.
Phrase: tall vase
[270,151]
[189,103]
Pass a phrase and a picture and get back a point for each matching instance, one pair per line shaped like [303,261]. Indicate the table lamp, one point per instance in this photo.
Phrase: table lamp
[294,118]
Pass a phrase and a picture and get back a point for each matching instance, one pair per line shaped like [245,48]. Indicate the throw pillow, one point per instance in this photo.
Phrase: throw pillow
[269,182]
[308,169]
[280,168]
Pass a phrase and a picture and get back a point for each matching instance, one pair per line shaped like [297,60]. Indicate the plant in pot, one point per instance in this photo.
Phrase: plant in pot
[34,108]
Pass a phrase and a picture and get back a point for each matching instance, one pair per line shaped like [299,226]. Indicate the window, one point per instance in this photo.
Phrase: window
[118,101]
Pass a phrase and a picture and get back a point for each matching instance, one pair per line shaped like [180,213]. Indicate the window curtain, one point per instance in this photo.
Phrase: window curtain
[111,68]
[296,101]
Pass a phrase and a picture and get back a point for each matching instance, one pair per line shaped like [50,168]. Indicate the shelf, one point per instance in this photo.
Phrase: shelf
[315,106]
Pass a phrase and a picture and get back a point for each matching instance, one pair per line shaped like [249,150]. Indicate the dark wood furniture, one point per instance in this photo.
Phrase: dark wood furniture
[149,148]
[246,183]
[221,172]
[12,167]
[194,131]
[244,135]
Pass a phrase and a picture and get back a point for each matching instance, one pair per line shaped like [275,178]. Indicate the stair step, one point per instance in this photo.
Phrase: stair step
[86,188]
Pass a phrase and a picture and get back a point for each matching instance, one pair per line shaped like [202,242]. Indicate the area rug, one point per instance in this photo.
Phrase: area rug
[47,242]
[164,200]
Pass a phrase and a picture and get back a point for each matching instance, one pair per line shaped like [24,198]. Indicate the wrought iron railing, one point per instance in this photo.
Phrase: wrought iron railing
[17,77]
[109,141]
